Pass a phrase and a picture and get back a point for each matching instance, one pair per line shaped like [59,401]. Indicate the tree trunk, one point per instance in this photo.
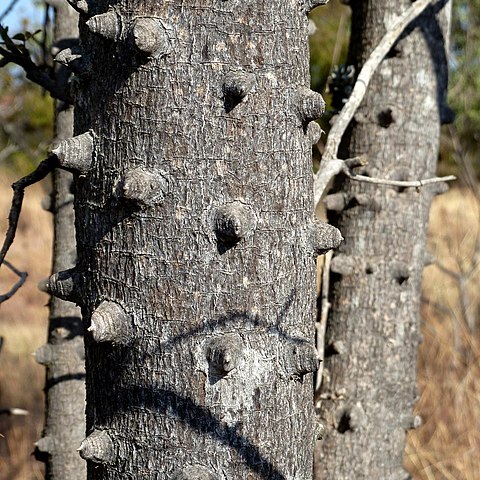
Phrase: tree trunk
[196,239]
[64,353]
[373,329]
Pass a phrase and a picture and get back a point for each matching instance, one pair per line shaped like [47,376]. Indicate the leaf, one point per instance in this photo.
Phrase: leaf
[20,36]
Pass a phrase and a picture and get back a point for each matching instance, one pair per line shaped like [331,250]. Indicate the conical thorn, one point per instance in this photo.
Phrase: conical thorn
[143,187]
[110,323]
[76,153]
[108,25]
[150,37]
[98,447]
[323,237]
[309,104]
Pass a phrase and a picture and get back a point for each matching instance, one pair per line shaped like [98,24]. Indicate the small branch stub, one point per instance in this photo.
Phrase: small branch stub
[108,25]
[224,353]
[311,4]
[47,203]
[309,104]
[44,355]
[143,187]
[194,472]
[65,285]
[323,237]
[343,264]
[110,323]
[45,445]
[410,421]
[233,222]
[302,358]
[76,153]
[336,202]
[150,37]
[98,447]
[81,6]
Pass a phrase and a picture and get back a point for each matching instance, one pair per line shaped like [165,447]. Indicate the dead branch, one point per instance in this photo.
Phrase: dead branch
[14,411]
[22,276]
[7,151]
[8,9]
[397,183]
[322,324]
[34,72]
[327,171]
[19,186]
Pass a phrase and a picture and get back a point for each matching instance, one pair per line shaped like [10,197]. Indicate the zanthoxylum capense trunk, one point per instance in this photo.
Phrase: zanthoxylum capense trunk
[63,355]
[196,238]
[373,329]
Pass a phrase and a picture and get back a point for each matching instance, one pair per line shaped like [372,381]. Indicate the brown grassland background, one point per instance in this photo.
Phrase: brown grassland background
[447,444]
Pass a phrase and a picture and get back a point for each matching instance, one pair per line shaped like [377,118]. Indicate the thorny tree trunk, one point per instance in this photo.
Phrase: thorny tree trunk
[373,328]
[196,265]
[64,353]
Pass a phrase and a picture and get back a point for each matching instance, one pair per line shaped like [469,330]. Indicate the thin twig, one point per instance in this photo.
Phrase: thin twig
[8,9]
[326,173]
[19,186]
[398,183]
[13,411]
[21,280]
[35,73]
[7,151]
[46,24]
[322,324]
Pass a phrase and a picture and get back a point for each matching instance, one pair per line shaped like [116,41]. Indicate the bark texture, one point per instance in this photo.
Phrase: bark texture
[196,241]
[64,353]
[373,329]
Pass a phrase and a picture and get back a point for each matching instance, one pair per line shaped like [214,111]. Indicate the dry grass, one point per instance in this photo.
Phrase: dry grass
[447,446]
[23,326]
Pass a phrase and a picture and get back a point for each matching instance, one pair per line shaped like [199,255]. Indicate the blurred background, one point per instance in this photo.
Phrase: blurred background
[447,445]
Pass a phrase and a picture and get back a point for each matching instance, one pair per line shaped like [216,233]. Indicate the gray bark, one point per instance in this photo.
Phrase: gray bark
[369,386]
[64,353]
[196,240]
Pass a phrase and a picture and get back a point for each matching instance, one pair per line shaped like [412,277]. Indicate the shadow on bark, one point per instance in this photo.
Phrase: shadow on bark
[239,317]
[201,420]
[51,382]
[435,39]
[163,401]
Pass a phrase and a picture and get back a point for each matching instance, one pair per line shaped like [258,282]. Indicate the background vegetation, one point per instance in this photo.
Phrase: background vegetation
[447,445]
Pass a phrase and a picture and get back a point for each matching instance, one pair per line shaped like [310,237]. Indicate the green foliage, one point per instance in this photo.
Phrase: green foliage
[464,95]
[461,140]
[328,48]
[26,112]
[329,43]
[26,119]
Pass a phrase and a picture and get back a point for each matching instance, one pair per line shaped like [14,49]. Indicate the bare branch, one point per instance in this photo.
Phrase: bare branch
[398,183]
[19,186]
[34,73]
[22,277]
[8,9]
[13,411]
[344,118]
[455,275]
[322,324]
[7,151]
